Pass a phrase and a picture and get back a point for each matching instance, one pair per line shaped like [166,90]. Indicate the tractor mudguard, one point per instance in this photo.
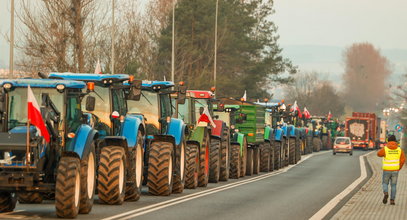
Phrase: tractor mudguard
[130,128]
[278,134]
[194,142]
[176,129]
[291,131]
[198,134]
[285,130]
[164,138]
[83,139]
[114,141]
[217,131]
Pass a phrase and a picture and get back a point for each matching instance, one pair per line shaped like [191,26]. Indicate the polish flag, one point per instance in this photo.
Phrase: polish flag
[329,115]
[206,117]
[296,108]
[98,69]
[307,115]
[34,115]
[244,98]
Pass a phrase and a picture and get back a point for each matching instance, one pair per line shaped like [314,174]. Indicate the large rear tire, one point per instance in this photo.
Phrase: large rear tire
[235,161]
[256,160]
[292,153]
[324,140]
[265,157]
[277,155]
[7,202]
[112,175]
[179,172]
[68,187]
[298,146]
[272,156]
[309,144]
[160,169]
[316,143]
[250,162]
[29,197]
[243,159]
[214,161]
[225,154]
[192,166]
[88,181]
[135,174]
[203,177]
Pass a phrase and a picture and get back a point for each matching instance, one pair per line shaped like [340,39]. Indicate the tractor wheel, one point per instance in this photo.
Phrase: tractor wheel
[68,187]
[249,162]
[298,144]
[214,161]
[179,177]
[235,161]
[272,156]
[277,155]
[203,176]
[88,181]
[160,169]
[286,153]
[7,202]
[135,173]
[224,162]
[112,175]
[325,142]
[256,160]
[265,157]
[192,166]
[291,153]
[29,197]
[317,143]
[243,160]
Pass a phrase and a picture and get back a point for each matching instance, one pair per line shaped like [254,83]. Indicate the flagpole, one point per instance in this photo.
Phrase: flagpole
[27,153]
[173,43]
[216,42]
[11,65]
[113,37]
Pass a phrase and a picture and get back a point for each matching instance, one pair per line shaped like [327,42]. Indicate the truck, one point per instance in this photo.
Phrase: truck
[32,166]
[363,130]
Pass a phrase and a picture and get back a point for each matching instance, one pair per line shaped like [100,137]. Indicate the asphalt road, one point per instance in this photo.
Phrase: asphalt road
[297,192]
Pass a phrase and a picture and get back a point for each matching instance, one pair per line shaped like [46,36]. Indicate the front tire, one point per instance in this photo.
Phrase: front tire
[160,169]
[68,187]
[192,166]
[88,181]
[203,177]
[135,174]
[214,161]
[250,162]
[179,174]
[112,175]
[265,157]
[292,153]
[224,160]
[256,160]
[243,159]
[235,161]
[29,197]
[7,202]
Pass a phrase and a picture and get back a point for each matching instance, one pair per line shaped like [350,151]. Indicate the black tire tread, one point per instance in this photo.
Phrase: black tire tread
[191,177]
[158,169]
[234,161]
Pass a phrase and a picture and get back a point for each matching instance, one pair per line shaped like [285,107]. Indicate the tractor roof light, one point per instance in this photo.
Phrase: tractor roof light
[60,88]
[7,86]
[131,78]
[213,89]
[181,83]
[90,86]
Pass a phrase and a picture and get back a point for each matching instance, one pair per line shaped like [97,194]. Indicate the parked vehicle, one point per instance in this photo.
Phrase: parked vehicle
[119,146]
[32,167]
[166,138]
[364,130]
[342,145]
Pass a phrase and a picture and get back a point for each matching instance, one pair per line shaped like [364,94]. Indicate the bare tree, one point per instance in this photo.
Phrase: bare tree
[366,73]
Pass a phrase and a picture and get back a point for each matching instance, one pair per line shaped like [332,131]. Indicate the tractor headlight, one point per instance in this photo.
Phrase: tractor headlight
[60,88]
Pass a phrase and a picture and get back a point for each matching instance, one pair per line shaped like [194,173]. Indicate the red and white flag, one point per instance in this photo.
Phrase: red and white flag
[306,113]
[98,68]
[244,98]
[206,117]
[34,115]
[329,115]
[296,108]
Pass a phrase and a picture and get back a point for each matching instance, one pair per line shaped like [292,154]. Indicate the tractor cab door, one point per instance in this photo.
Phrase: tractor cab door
[165,111]
[119,109]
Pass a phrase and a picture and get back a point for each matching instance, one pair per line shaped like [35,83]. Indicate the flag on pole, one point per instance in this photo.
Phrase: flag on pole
[34,115]
[98,69]
[206,117]
[306,113]
[296,108]
[329,115]
[244,96]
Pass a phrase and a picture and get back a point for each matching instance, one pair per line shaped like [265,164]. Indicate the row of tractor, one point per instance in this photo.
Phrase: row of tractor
[111,134]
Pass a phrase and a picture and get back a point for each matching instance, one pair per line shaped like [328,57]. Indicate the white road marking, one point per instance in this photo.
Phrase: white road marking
[161,205]
[338,198]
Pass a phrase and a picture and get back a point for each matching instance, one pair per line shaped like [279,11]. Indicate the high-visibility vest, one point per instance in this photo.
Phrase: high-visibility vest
[391,161]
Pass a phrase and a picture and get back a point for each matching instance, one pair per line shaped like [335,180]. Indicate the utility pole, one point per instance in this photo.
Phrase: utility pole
[11,65]
[113,37]
[173,43]
[216,42]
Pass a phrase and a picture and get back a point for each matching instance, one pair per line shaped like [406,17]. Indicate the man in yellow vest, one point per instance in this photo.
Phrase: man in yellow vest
[393,161]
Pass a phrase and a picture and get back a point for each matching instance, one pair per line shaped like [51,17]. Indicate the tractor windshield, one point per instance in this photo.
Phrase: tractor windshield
[148,106]
[200,104]
[17,106]
[183,111]
[102,107]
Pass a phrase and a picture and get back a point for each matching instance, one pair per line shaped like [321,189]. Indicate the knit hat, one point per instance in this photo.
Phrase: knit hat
[392,138]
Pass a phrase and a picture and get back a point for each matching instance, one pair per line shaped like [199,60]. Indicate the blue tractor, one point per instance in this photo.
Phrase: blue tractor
[166,137]
[119,146]
[32,168]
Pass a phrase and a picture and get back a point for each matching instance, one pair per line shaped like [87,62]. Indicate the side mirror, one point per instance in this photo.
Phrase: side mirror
[135,90]
[182,94]
[90,103]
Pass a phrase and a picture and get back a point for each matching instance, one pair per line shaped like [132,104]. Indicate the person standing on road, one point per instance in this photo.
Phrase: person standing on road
[393,161]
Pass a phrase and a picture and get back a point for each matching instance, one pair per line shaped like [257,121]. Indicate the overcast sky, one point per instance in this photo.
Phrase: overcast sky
[334,23]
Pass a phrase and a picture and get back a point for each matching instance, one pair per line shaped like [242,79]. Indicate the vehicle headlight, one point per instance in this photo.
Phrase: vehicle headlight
[60,87]
[7,86]
[232,127]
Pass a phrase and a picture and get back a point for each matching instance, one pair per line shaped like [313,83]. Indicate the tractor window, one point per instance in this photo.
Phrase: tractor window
[166,108]
[200,104]
[17,109]
[183,112]
[119,103]
[102,107]
[73,114]
[148,106]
